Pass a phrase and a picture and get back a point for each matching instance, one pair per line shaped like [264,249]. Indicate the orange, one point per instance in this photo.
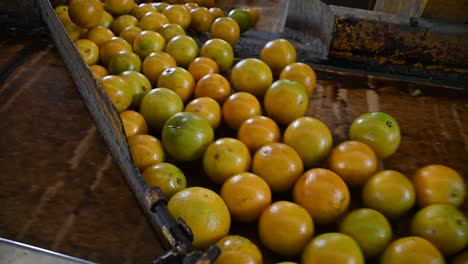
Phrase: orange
[279,165]
[160,6]
[165,176]
[311,138]
[130,34]
[134,123]
[410,250]
[204,211]
[201,19]
[202,66]
[225,157]
[178,14]
[237,249]
[106,20]
[285,228]
[158,105]
[73,30]
[258,131]
[285,101]
[155,63]
[255,14]
[443,225]
[216,12]
[215,86]
[323,193]
[239,107]
[353,161]
[246,195]
[98,71]
[390,193]
[140,10]
[251,75]
[111,47]
[146,150]
[139,86]
[118,91]
[438,184]
[184,49]
[153,21]
[89,51]
[122,22]
[124,61]
[301,73]
[168,31]
[225,28]
[178,80]
[243,18]
[331,248]
[277,54]
[148,42]
[369,228]
[99,35]
[85,13]
[119,7]
[191,5]
[207,108]
[220,51]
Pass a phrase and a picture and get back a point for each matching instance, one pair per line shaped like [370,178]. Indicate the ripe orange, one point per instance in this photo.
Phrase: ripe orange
[204,211]
[216,12]
[207,108]
[153,21]
[255,14]
[225,28]
[285,228]
[134,123]
[122,22]
[277,54]
[202,66]
[323,193]
[146,150]
[438,184]
[220,51]
[184,49]
[201,19]
[251,75]
[85,13]
[225,157]
[301,73]
[130,34]
[168,31]
[279,165]
[238,249]
[331,248]
[178,14]
[118,91]
[99,35]
[139,86]
[160,6]
[165,176]
[98,71]
[106,20]
[239,107]
[215,86]
[410,250]
[112,47]
[89,51]
[148,42]
[140,10]
[119,7]
[155,63]
[178,80]
[258,131]
[285,101]
[124,61]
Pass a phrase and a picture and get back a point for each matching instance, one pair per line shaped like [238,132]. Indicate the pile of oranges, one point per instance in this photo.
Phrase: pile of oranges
[245,122]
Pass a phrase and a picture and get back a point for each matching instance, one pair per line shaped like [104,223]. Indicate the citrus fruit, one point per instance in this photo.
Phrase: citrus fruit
[98,71]
[201,19]
[155,63]
[246,195]
[85,13]
[184,49]
[148,42]
[239,107]
[204,211]
[122,22]
[279,165]
[89,51]
[255,14]
[191,5]
[119,7]
[160,6]
[285,101]
[225,28]
[112,47]
[134,123]
[220,51]
[168,31]
[99,35]
[438,184]
[323,194]
[158,105]
[202,66]
[224,158]
[410,250]
[213,85]
[251,75]
[73,30]
[243,18]
[165,176]
[106,20]
[207,108]
[443,225]
[238,249]
[301,73]
[285,228]
[124,61]
[369,228]
[277,54]
[389,192]
[146,150]
[118,91]
[153,21]
[178,14]
[130,34]
[332,248]
[139,85]
[178,80]
[378,130]
[140,10]
[353,161]
[258,131]
[216,12]
[186,136]
[311,138]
